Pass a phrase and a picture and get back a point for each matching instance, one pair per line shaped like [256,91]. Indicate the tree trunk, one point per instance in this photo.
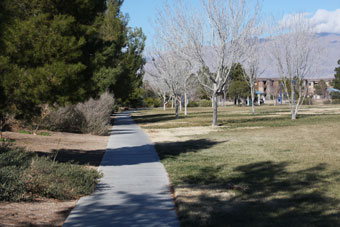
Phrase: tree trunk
[214,103]
[185,104]
[164,103]
[172,103]
[2,124]
[176,106]
[293,115]
[292,100]
[224,97]
[180,104]
[252,91]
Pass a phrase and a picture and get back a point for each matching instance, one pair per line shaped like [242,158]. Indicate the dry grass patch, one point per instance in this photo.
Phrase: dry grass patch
[177,134]
[256,171]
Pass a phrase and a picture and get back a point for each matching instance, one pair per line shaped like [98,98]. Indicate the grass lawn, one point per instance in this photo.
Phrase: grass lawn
[262,170]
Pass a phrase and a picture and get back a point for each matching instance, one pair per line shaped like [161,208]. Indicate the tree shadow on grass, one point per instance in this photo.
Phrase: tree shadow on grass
[153,118]
[265,194]
[172,149]
[135,155]
[250,120]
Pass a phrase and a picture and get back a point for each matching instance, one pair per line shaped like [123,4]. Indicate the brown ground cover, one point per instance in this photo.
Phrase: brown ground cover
[79,148]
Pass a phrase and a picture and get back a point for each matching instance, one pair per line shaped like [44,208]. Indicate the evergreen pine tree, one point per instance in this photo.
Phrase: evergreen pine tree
[62,52]
[336,81]
[238,87]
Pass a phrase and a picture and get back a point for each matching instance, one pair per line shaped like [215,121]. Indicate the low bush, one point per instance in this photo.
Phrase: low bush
[152,102]
[96,114]
[192,103]
[59,180]
[327,102]
[332,101]
[307,101]
[24,176]
[335,95]
[13,163]
[92,116]
[336,101]
[66,119]
[115,108]
[205,103]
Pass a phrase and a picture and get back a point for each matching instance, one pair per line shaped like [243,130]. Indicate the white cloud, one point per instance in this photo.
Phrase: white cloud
[322,20]
[326,21]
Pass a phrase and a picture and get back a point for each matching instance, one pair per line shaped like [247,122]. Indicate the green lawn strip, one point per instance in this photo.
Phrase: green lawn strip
[25,132]
[258,171]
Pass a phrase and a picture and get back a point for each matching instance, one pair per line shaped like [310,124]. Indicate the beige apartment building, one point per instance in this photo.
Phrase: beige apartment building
[269,88]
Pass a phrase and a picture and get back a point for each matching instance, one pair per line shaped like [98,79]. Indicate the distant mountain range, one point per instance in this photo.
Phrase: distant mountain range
[325,67]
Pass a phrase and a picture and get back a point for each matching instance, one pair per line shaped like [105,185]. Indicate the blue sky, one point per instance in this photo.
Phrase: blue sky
[141,12]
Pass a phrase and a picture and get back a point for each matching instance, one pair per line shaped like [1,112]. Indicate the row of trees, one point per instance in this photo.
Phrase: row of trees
[57,53]
[208,42]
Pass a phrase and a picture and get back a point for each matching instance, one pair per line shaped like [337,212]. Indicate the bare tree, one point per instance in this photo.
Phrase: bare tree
[294,51]
[213,38]
[170,71]
[157,85]
[251,68]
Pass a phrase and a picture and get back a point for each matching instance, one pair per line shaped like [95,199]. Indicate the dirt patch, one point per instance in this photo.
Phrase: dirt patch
[177,134]
[44,212]
[316,111]
[324,110]
[79,148]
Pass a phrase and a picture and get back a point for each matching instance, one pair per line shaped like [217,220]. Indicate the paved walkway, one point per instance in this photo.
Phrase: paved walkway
[135,188]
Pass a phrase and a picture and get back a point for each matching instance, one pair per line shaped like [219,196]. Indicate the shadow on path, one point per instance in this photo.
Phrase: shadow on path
[130,210]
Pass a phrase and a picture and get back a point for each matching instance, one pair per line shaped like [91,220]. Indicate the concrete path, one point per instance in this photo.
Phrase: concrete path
[135,188]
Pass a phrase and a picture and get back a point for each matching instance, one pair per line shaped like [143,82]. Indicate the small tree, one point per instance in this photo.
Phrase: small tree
[157,85]
[251,69]
[171,71]
[294,53]
[336,80]
[238,88]
[321,89]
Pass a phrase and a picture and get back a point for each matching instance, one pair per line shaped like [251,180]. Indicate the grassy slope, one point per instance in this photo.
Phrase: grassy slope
[262,170]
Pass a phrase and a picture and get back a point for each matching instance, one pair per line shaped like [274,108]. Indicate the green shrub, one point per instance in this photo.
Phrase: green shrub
[335,95]
[12,184]
[205,103]
[327,102]
[24,175]
[25,132]
[13,163]
[6,140]
[60,180]
[192,103]
[44,134]
[152,102]
[307,101]
[335,101]
[115,108]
